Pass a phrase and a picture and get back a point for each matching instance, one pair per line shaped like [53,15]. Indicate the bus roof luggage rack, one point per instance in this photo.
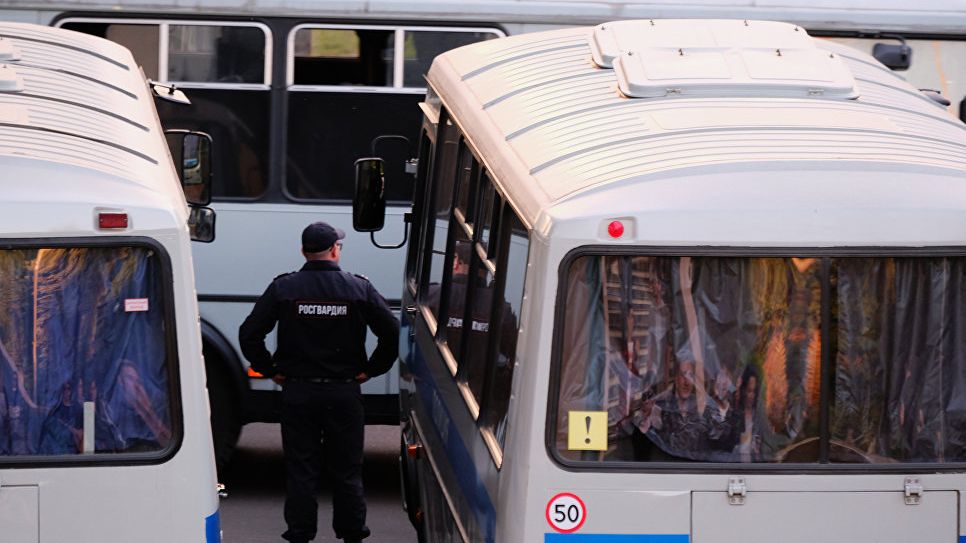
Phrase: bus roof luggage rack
[718,58]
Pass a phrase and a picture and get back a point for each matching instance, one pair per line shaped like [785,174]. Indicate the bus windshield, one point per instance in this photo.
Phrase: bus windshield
[776,359]
[83,358]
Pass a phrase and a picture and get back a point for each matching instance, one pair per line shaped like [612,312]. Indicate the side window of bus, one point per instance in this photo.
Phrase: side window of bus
[224,69]
[511,276]
[463,315]
[349,85]
[438,215]
[84,360]
[216,54]
[420,201]
[338,56]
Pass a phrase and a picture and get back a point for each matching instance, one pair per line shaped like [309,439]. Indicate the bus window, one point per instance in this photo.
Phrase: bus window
[216,54]
[83,329]
[335,56]
[422,46]
[513,271]
[223,68]
[438,220]
[719,359]
[898,365]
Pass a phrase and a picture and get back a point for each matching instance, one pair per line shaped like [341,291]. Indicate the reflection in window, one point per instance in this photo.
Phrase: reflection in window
[216,54]
[331,56]
[440,214]
[501,373]
[719,359]
[82,328]
[711,359]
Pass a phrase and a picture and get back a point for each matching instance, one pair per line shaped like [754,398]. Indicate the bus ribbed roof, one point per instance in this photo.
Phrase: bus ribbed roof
[81,103]
[540,99]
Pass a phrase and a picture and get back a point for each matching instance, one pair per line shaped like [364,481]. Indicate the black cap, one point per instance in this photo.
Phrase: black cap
[320,236]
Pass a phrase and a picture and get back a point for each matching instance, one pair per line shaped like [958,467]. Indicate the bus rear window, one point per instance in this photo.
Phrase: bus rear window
[772,360]
[84,367]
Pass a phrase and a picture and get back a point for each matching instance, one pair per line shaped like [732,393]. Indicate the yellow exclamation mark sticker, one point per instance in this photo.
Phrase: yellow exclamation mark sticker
[587,431]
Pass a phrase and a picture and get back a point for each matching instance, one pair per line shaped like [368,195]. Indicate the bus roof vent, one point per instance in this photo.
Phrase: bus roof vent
[10,81]
[8,52]
[680,57]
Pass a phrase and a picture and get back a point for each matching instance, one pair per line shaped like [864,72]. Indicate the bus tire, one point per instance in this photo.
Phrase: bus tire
[225,412]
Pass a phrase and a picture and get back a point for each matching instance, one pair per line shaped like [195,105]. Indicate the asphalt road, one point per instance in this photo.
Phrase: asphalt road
[256,487]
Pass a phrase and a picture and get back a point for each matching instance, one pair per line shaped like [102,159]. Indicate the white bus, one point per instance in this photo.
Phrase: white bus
[104,432]
[683,280]
[294,91]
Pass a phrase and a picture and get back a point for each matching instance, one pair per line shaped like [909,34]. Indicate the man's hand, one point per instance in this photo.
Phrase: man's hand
[279,378]
[362,377]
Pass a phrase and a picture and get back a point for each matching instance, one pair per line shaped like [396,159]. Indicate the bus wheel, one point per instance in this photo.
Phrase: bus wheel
[225,412]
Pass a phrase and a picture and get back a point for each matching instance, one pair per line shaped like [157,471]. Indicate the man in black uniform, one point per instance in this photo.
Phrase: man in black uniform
[322,314]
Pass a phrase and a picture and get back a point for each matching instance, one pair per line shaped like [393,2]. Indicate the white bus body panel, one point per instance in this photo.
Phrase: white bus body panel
[887,169]
[53,186]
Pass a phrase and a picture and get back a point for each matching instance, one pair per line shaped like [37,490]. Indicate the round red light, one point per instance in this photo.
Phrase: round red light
[615,229]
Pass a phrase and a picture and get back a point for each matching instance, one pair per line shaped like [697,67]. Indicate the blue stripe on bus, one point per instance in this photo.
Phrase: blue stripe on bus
[616,538]
[213,528]
[456,452]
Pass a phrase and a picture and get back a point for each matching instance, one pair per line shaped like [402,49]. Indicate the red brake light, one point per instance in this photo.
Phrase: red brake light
[615,229]
[108,221]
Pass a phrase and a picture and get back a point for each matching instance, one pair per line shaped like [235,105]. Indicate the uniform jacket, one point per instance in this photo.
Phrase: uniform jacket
[322,314]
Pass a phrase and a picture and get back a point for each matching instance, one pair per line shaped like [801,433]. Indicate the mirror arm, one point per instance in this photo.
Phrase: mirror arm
[407,219]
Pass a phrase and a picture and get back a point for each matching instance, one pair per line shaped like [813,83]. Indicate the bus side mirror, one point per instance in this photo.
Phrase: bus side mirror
[191,152]
[369,201]
[962,110]
[201,224]
[895,57]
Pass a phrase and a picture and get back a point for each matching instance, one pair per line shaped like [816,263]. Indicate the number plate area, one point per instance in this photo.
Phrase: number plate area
[19,521]
[809,517]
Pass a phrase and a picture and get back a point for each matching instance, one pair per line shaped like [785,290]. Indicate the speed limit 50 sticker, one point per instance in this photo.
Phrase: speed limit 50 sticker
[566,512]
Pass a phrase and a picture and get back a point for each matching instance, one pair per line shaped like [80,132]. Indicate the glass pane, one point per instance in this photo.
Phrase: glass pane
[486,211]
[502,371]
[82,328]
[468,169]
[900,388]
[336,128]
[237,121]
[693,358]
[216,54]
[331,56]
[458,289]
[413,253]
[141,39]
[422,47]
[444,175]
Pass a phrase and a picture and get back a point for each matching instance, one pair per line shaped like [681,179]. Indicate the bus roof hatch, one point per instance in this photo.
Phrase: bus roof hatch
[719,58]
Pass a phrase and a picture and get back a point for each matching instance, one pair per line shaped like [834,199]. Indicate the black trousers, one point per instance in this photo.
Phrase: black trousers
[323,425]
